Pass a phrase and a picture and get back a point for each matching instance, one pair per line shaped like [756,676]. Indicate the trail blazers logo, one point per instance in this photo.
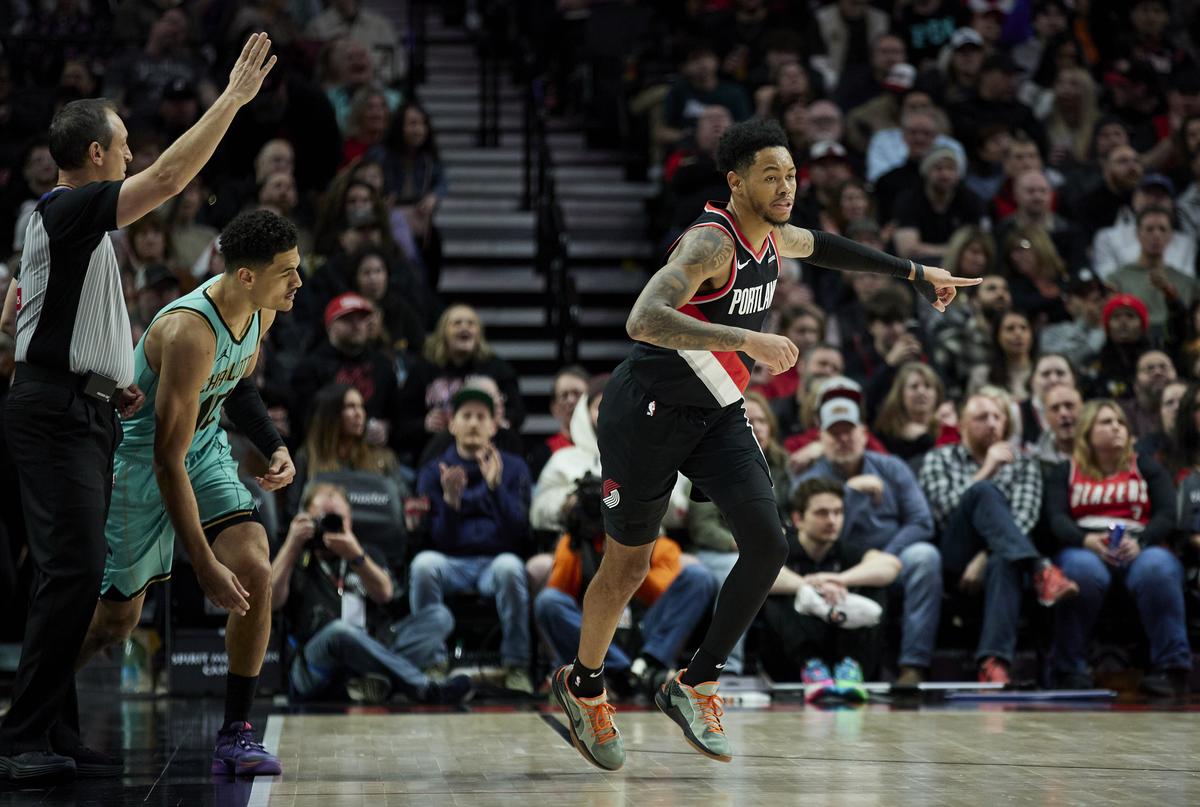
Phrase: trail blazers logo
[612,494]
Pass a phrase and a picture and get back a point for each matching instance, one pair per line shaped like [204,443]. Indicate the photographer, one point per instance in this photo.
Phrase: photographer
[329,588]
[676,595]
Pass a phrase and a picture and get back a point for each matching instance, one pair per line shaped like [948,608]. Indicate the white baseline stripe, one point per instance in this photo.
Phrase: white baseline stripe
[712,375]
[260,790]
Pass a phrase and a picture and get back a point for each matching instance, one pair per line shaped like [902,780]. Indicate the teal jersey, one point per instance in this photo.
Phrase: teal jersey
[232,359]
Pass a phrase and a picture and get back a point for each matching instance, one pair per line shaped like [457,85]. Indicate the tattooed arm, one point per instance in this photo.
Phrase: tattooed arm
[703,254]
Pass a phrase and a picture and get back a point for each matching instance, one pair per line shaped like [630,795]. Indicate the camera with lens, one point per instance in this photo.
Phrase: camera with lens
[585,521]
[330,522]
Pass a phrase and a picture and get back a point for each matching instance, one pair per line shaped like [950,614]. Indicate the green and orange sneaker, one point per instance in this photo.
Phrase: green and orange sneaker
[590,723]
[697,710]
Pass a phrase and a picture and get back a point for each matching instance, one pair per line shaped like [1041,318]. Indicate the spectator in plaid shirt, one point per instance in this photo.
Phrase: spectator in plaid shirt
[985,499]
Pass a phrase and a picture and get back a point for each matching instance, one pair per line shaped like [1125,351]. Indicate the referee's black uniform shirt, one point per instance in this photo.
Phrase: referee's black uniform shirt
[74,349]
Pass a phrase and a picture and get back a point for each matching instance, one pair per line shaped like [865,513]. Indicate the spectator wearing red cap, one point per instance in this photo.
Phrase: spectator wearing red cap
[345,357]
[1126,328]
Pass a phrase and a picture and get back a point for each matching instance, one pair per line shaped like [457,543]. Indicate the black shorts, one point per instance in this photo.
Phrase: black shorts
[644,443]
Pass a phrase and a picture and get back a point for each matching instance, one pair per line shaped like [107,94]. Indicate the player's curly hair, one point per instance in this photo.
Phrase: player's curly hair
[254,238]
[742,141]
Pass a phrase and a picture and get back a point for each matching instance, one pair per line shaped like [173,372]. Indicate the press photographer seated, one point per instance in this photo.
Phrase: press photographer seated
[675,596]
[330,589]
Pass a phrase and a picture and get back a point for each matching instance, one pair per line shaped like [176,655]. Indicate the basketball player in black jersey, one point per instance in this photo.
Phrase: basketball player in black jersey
[675,405]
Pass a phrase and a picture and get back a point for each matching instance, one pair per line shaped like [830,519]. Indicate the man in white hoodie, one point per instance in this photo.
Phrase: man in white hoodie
[552,496]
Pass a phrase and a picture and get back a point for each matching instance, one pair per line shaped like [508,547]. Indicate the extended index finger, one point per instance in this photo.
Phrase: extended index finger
[962,281]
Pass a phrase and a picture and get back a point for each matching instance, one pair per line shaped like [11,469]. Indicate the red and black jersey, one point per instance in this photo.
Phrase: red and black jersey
[1123,498]
[713,378]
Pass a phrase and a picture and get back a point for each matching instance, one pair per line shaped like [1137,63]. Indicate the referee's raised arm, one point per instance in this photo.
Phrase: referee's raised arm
[180,163]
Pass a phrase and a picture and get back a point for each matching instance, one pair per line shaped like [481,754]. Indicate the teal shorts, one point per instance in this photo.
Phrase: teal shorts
[141,540]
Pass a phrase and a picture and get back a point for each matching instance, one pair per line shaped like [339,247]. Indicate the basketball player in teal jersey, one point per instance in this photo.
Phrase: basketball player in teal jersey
[174,475]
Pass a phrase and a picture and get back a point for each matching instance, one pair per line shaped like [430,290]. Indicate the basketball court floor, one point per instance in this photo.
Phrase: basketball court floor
[1121,753]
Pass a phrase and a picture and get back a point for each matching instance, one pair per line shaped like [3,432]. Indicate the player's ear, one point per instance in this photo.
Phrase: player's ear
[734,179]
[246,275]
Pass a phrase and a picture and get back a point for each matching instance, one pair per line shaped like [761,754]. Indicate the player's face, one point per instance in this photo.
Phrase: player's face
[274,286]
[770,185]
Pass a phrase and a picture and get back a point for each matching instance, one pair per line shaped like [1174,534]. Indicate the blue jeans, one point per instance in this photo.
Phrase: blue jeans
[1155,579]
[340,650]
[983,520]
[719,564]
[665,626]
[921,583]
[433,575]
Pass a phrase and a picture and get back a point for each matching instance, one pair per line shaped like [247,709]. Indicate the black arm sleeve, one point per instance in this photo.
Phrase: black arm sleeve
[835,252]
[246,409]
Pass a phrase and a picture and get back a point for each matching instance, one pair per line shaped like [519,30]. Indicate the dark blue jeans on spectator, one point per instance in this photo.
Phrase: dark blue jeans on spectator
[501,577]
[665,626]
[983,520]
[1154,578]
[340,650]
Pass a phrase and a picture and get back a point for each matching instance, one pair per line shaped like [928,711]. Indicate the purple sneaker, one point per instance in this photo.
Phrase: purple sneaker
[239,754]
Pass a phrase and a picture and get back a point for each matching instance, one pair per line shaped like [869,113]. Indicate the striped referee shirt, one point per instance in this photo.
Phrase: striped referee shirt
[70,308]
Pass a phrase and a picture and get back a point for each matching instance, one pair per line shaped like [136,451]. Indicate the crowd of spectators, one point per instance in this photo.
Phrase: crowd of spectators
[925,462]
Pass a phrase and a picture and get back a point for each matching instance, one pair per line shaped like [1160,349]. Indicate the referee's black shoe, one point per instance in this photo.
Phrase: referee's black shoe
[32,765]
[89,763]
[93,764]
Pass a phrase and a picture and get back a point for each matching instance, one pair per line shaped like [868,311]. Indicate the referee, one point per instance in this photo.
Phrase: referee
[74,375]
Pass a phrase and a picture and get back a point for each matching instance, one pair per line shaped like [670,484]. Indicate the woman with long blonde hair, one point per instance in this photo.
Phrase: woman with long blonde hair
[457,348]
[909,421]
[1073,116]
[1106,486]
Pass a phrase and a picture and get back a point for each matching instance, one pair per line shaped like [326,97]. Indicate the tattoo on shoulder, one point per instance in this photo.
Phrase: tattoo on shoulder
[794,242]
[704,249]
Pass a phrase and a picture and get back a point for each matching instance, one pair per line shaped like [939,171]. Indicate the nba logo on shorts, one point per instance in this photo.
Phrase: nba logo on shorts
[650,409]
[612,494]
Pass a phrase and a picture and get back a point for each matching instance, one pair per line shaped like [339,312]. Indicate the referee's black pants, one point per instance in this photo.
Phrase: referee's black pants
[63,443]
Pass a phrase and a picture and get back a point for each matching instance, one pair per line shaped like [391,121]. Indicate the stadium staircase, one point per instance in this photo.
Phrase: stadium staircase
[542,234]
